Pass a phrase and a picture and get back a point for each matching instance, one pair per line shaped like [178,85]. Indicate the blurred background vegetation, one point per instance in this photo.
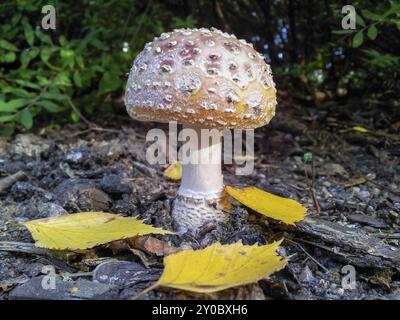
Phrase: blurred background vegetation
[79,70]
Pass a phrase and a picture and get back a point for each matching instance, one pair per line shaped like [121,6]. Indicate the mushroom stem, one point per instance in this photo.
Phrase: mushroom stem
[198,197]
[201,171]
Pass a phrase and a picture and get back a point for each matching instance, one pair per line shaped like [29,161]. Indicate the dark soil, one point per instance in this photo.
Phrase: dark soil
[352,180]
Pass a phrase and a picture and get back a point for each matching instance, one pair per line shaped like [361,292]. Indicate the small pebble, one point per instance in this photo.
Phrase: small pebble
[364,195]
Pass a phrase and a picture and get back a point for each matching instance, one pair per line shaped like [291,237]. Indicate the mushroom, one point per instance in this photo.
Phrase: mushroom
[201,78]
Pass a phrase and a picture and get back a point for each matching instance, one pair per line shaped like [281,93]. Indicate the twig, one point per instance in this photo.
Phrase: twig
[92,126]
[384,187]
[352,244]
[94,129]
[317,245]
[7,182]
[219,9]
[372,180]
[389,236]
[308,255]
[23,247]
[29,248]
[141,20]
[89,123]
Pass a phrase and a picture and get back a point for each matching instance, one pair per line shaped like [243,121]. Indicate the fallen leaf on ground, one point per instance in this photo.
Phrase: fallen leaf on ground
[359,129]
[86,230]
[219,267]
[361,180]
[355,128]
[268,204]
[332,169]
[355,182]
[174,171]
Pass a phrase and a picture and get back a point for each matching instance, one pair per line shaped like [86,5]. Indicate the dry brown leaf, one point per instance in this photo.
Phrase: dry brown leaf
[152,245]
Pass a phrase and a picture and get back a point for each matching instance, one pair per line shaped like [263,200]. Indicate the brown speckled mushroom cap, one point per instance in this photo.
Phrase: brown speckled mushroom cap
[201,77]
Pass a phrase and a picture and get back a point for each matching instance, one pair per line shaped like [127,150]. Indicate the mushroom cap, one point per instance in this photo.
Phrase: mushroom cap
[201,77]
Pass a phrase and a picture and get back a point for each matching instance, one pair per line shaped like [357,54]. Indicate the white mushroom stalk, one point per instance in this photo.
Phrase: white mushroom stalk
[198,197]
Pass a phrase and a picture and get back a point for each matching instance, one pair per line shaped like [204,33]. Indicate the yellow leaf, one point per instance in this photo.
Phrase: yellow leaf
[219,267]
[359,129]
[174,171]
[86,230]
[269,205]
[74,290]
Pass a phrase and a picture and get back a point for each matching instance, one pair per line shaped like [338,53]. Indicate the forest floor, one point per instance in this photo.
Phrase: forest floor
[351,188]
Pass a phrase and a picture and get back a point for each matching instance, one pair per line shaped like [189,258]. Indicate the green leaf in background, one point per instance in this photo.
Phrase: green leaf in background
[4,107]
[12,105]
[26,118]
[108,83]
[74,117]
[345,31]
[360,21]
[49,106]
[54,96]
[28,55]
[45,54]
[15,18]
[9,57]
[28,31]
[19,92]
[7,45]
[63,41]
[395,7]
[43,37]
[67,57]
[62,79]
[372,32]
[27,84]
[8,130]
[7,117]
[80,62]
[77,79]
[358,39]
[370,15]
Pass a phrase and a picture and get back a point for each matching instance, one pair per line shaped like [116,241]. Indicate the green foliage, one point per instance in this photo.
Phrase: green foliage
[358,39]
[363,60]
[386,17]
[83,61]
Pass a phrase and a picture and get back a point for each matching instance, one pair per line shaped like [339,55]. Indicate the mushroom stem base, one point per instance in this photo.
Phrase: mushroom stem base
[192,213]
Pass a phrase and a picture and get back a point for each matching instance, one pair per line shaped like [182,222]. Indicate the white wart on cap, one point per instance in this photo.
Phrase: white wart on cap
[201,77]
